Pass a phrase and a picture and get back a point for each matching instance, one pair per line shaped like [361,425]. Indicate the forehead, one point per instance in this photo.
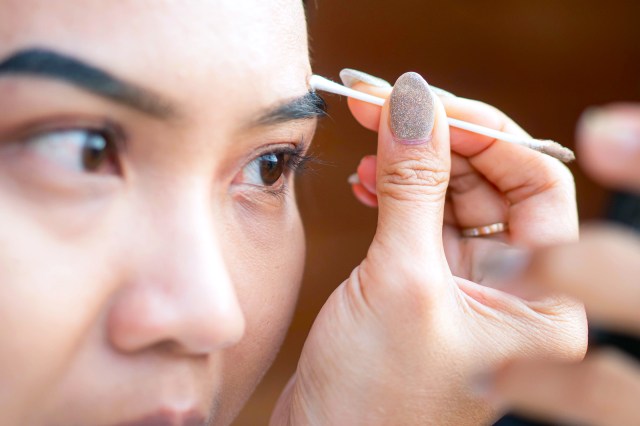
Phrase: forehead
[225,48]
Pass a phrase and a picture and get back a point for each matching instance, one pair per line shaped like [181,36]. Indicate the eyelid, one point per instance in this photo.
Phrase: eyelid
[294,163]
[273,147]
[298,143]
[39,129]
[291,149]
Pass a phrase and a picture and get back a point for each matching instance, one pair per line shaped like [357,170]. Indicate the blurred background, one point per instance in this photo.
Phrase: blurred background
[543,62]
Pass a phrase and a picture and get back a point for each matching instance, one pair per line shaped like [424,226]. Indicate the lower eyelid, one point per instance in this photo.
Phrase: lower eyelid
[256,199]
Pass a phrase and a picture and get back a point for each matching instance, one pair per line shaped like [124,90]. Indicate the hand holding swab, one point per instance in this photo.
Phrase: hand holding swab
[548,147]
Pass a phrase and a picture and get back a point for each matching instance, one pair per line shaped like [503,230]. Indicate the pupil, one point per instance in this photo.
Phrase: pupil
[271,168]
[94,152]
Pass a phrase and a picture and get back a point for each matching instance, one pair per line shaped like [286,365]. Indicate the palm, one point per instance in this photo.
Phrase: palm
[497,327]
[518,316]
[464,254]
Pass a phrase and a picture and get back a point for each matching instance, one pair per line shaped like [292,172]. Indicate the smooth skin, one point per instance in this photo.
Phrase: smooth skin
[602,270]
[164,280]
[166,284]
[609,145]
[416,321]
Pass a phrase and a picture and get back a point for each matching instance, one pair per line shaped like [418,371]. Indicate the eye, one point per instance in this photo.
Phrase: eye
[269,171]
[81,150]
[266,170]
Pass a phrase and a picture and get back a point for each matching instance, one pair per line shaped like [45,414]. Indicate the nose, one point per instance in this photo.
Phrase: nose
[177,293]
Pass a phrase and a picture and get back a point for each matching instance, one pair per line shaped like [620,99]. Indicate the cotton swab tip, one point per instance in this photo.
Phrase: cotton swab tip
[549,147]
[555,150]
[317,82]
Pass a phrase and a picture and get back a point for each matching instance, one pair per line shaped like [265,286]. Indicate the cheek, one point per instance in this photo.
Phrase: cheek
[42,278]
[268,267]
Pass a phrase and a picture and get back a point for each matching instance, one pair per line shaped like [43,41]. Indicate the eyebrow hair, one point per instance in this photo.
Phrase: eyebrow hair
[308,106]
[50,64]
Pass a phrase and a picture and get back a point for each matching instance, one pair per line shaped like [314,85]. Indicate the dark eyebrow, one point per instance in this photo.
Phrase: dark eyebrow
[49,64]
[309,106]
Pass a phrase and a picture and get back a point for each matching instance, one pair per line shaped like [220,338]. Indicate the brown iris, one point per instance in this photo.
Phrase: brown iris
[272,166]
[97,150]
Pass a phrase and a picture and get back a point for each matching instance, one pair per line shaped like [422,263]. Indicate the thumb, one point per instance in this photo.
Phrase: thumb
[414,164]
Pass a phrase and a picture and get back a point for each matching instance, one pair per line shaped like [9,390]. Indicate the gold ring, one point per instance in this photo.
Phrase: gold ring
[481,231]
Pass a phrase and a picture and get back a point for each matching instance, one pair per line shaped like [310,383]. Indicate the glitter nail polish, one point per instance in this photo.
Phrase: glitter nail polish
[412,109]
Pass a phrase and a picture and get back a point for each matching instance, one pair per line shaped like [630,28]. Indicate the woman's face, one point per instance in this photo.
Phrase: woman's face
[150,244]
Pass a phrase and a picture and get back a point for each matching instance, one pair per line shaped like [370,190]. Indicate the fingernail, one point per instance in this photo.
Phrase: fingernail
[590,116]
[619,132]
[505,264]
[412,110]
[592,122]
[625,140]
[350,77]
[442,93]
[354,179]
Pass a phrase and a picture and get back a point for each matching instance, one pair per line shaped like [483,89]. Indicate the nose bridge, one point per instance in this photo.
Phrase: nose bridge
[180,290]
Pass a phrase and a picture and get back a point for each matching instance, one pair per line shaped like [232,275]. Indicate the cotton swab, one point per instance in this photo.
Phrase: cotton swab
[548,147]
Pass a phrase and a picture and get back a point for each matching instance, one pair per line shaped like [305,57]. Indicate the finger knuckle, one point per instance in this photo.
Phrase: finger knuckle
[550,177]
[412,179]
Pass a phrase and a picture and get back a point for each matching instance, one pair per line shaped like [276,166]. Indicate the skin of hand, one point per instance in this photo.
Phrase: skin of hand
[608,143]
[399,341]
[602,271]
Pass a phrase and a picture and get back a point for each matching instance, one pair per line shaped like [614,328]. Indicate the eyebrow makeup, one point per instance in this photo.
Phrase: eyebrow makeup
[49,64]
[46,63]
[549,147]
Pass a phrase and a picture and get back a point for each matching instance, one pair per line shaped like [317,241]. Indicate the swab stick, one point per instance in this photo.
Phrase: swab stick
[549,147]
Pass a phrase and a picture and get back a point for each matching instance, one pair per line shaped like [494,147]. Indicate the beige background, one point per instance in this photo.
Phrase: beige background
[541,61]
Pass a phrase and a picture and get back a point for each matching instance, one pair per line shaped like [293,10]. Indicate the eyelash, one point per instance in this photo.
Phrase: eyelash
[54,142]
[297,162]
[295,159]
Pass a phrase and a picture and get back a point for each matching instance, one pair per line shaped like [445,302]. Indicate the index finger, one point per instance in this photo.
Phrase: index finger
[539,189]
[602,271]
